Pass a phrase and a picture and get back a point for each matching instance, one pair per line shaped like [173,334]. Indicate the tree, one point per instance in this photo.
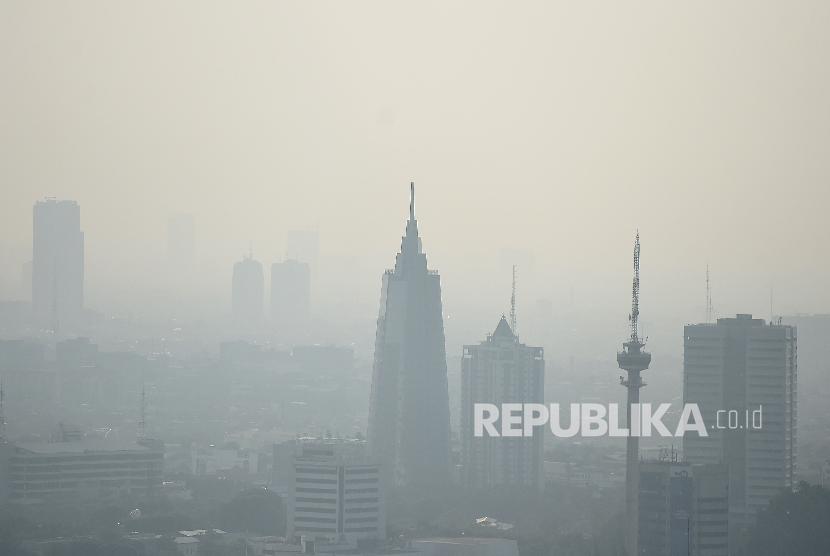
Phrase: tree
[256,510]
[795,524]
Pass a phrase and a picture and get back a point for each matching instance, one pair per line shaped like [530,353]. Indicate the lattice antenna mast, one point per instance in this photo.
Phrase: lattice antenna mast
[513,304]
[635,292]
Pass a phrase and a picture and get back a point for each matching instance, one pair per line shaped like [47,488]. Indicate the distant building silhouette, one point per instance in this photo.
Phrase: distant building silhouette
[57,262]
[409,422]
[248,291]
[501,370]
[739,365]
[290,295]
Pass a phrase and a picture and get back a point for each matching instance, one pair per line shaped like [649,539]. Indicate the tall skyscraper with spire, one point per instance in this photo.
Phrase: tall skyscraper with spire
[409,419]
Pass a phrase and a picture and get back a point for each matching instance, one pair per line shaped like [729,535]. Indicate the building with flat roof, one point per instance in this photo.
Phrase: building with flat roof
[683,509]
[78,470]
[336,494]
[742,373]
[247,292]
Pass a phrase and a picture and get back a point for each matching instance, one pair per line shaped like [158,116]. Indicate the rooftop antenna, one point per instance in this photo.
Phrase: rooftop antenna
[635,292]
[710,313]
[412,200]
[513,304]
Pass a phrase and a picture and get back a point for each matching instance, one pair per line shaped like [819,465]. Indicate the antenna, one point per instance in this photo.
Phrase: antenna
[412,200]
[635,291]
[710,313]
[513,304]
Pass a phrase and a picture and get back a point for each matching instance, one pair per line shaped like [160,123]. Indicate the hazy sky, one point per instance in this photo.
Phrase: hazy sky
[553,128]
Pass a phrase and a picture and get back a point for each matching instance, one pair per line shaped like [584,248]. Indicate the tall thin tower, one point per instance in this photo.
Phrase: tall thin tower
[633,360]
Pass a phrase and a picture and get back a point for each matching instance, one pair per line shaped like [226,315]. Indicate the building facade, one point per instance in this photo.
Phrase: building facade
[336,495]
[76,470]
[743,375]
[409,416]
[57,262]
[248,291]
[501,370]
[683,509]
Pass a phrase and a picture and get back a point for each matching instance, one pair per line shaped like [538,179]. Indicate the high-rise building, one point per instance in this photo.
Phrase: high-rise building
[501,370]
[683,509]
[742,373]
[336,493]
[57,262]
[290,295]
[248,291]
[409,416]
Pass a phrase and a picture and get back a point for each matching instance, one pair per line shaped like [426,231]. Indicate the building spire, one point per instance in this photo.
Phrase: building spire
[412,200]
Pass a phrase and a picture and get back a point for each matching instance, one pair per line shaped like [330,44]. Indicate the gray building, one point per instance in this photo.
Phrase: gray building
[248,291]
[57,262]
[683,509]
[75,470]
[409,416]
[501,370]
[743,375]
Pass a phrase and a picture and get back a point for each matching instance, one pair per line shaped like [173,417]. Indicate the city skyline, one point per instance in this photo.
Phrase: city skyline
[207,349]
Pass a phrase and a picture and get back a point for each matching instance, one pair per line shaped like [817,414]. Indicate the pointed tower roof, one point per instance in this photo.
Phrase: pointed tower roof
[503,330]
[411,257]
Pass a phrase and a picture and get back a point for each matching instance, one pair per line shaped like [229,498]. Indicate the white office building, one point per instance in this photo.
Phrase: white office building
[336,495]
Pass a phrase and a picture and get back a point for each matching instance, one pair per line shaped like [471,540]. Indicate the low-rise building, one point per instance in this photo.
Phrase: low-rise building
[79,470]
